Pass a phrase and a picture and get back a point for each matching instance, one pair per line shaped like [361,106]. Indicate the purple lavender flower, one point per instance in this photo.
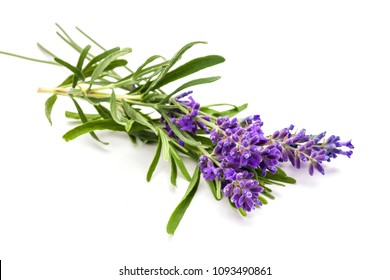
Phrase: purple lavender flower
[241,145]
[186,122]
[242,190]
[301,147]
[209,171]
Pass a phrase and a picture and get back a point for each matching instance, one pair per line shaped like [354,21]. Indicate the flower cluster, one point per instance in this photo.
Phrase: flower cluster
[186,122]
[242,145]
[241,148]
[301,147]
[242,190]
[237,185]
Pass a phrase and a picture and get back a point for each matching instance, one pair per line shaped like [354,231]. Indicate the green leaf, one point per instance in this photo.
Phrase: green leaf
[173,171]
[154,163]
[190,84]
[80,63]
[103,111]
[229,113]
[189,68]
[100,57]
[280,176]
[49,106]
[221,104]
[218,188]
[204,140]
[197,82]
[87,73]
[165,144]
[129,125]
[116,115]
[115,64]
[180,210]
[213,189]
[267,194]
[148,61]
[145,136]
[132,138]
[76,116]
[177,132]
[137,116]
[84,120]
[180,164]
[92,126]
[105,62]
[75,70]
[171,62]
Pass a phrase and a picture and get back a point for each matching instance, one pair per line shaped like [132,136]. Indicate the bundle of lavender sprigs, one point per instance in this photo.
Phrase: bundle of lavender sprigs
[234,156]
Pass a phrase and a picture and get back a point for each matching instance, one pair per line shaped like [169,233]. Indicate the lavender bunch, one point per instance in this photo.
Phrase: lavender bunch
[234,155]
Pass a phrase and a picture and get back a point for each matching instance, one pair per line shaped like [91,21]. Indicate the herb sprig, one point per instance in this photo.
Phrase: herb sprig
[234,155]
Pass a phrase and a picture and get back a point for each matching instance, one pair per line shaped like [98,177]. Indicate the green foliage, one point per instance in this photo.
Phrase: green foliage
[49,106]
[179,211]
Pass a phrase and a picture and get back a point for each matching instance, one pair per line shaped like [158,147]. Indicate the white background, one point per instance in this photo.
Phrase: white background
[81,210]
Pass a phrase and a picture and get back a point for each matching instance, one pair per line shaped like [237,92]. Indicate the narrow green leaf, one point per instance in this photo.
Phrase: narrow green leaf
[84,120]
[221,104]
[118,118]
[148,61]
[177,132]
[45,50]
[145,136]
[92,40]
[229,113]
[180,210]
[87,73]
[75,70]
[106,61]
[197,82]
[155,160]
[83,56]
[204,140]
[180,164]
[267,194]
[218,188]
[281,177]
[49,106]
[213,189]
[103,111]
[173,171]
[190,84]
[92,126]
[132,138]
[115,64]
[29,58]
[189,68]
[154,69]
[76,116]
[171,62]
[100,57]
[129,125]
[165,144]
[80,63]
[70,42]
[137,116]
